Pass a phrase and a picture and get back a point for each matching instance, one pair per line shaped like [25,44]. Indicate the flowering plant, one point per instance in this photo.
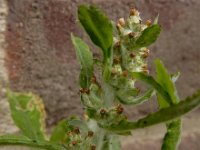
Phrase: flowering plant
[107,85]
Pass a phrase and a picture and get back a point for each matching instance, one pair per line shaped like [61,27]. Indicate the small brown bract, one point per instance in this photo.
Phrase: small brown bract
[90,133]
[122,22]
[125,73]
[93,147]
[76,130]
[131,34]
[145,71]
[113,71]
[119,109]
[117,44]
[134,12]
[145,55]
[148,23]
[103,112]
[132,55]
[70,133]
[145,67]
[118,26]
[74,142]
[116,60]
[84,91]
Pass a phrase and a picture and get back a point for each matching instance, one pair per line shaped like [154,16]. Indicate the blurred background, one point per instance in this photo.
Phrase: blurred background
[36,54]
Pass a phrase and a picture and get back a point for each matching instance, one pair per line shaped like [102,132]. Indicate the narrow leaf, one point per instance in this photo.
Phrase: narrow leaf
[24,141]
[164,79]
[173,134]
[78,123]
[148,36]
[85,58]
[150,80]
[97,26]
[59,132]
[135,100]
[162,116]
[12,136]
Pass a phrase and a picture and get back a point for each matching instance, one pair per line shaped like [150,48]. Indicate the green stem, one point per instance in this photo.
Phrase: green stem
[172,137]
[29,143]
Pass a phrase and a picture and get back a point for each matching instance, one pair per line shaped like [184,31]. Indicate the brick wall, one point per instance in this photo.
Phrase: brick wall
[36,55]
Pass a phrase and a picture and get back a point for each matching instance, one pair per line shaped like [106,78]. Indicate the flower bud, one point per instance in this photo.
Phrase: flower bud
[116,60]
[148,23]
[131,34]
[125,73]
[70,133]
[74,142]
[117,44]
[103,112]
[93,147]
[81,90]
[145,71]
[145,66]
[76,130]
[90,133]
[132,55]
[134,12]
[146,50]
[121,22]
[119,109]
[145,55]
[113,71]
[119,27]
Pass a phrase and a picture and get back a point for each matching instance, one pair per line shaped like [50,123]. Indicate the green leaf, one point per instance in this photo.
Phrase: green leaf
[85,58]
[154,84]
[9,137]
[172,137]
[97,26]
[148,36]
[162,116]
[24,141]
[59,132]
[135,100]
[78,123]
[164,79]
[28,113]
[108,94]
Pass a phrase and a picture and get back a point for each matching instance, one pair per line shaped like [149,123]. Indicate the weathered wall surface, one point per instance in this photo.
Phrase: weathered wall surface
[38,55]
[6,124]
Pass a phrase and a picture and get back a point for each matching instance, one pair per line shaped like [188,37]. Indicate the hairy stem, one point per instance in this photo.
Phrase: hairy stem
[29,143]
